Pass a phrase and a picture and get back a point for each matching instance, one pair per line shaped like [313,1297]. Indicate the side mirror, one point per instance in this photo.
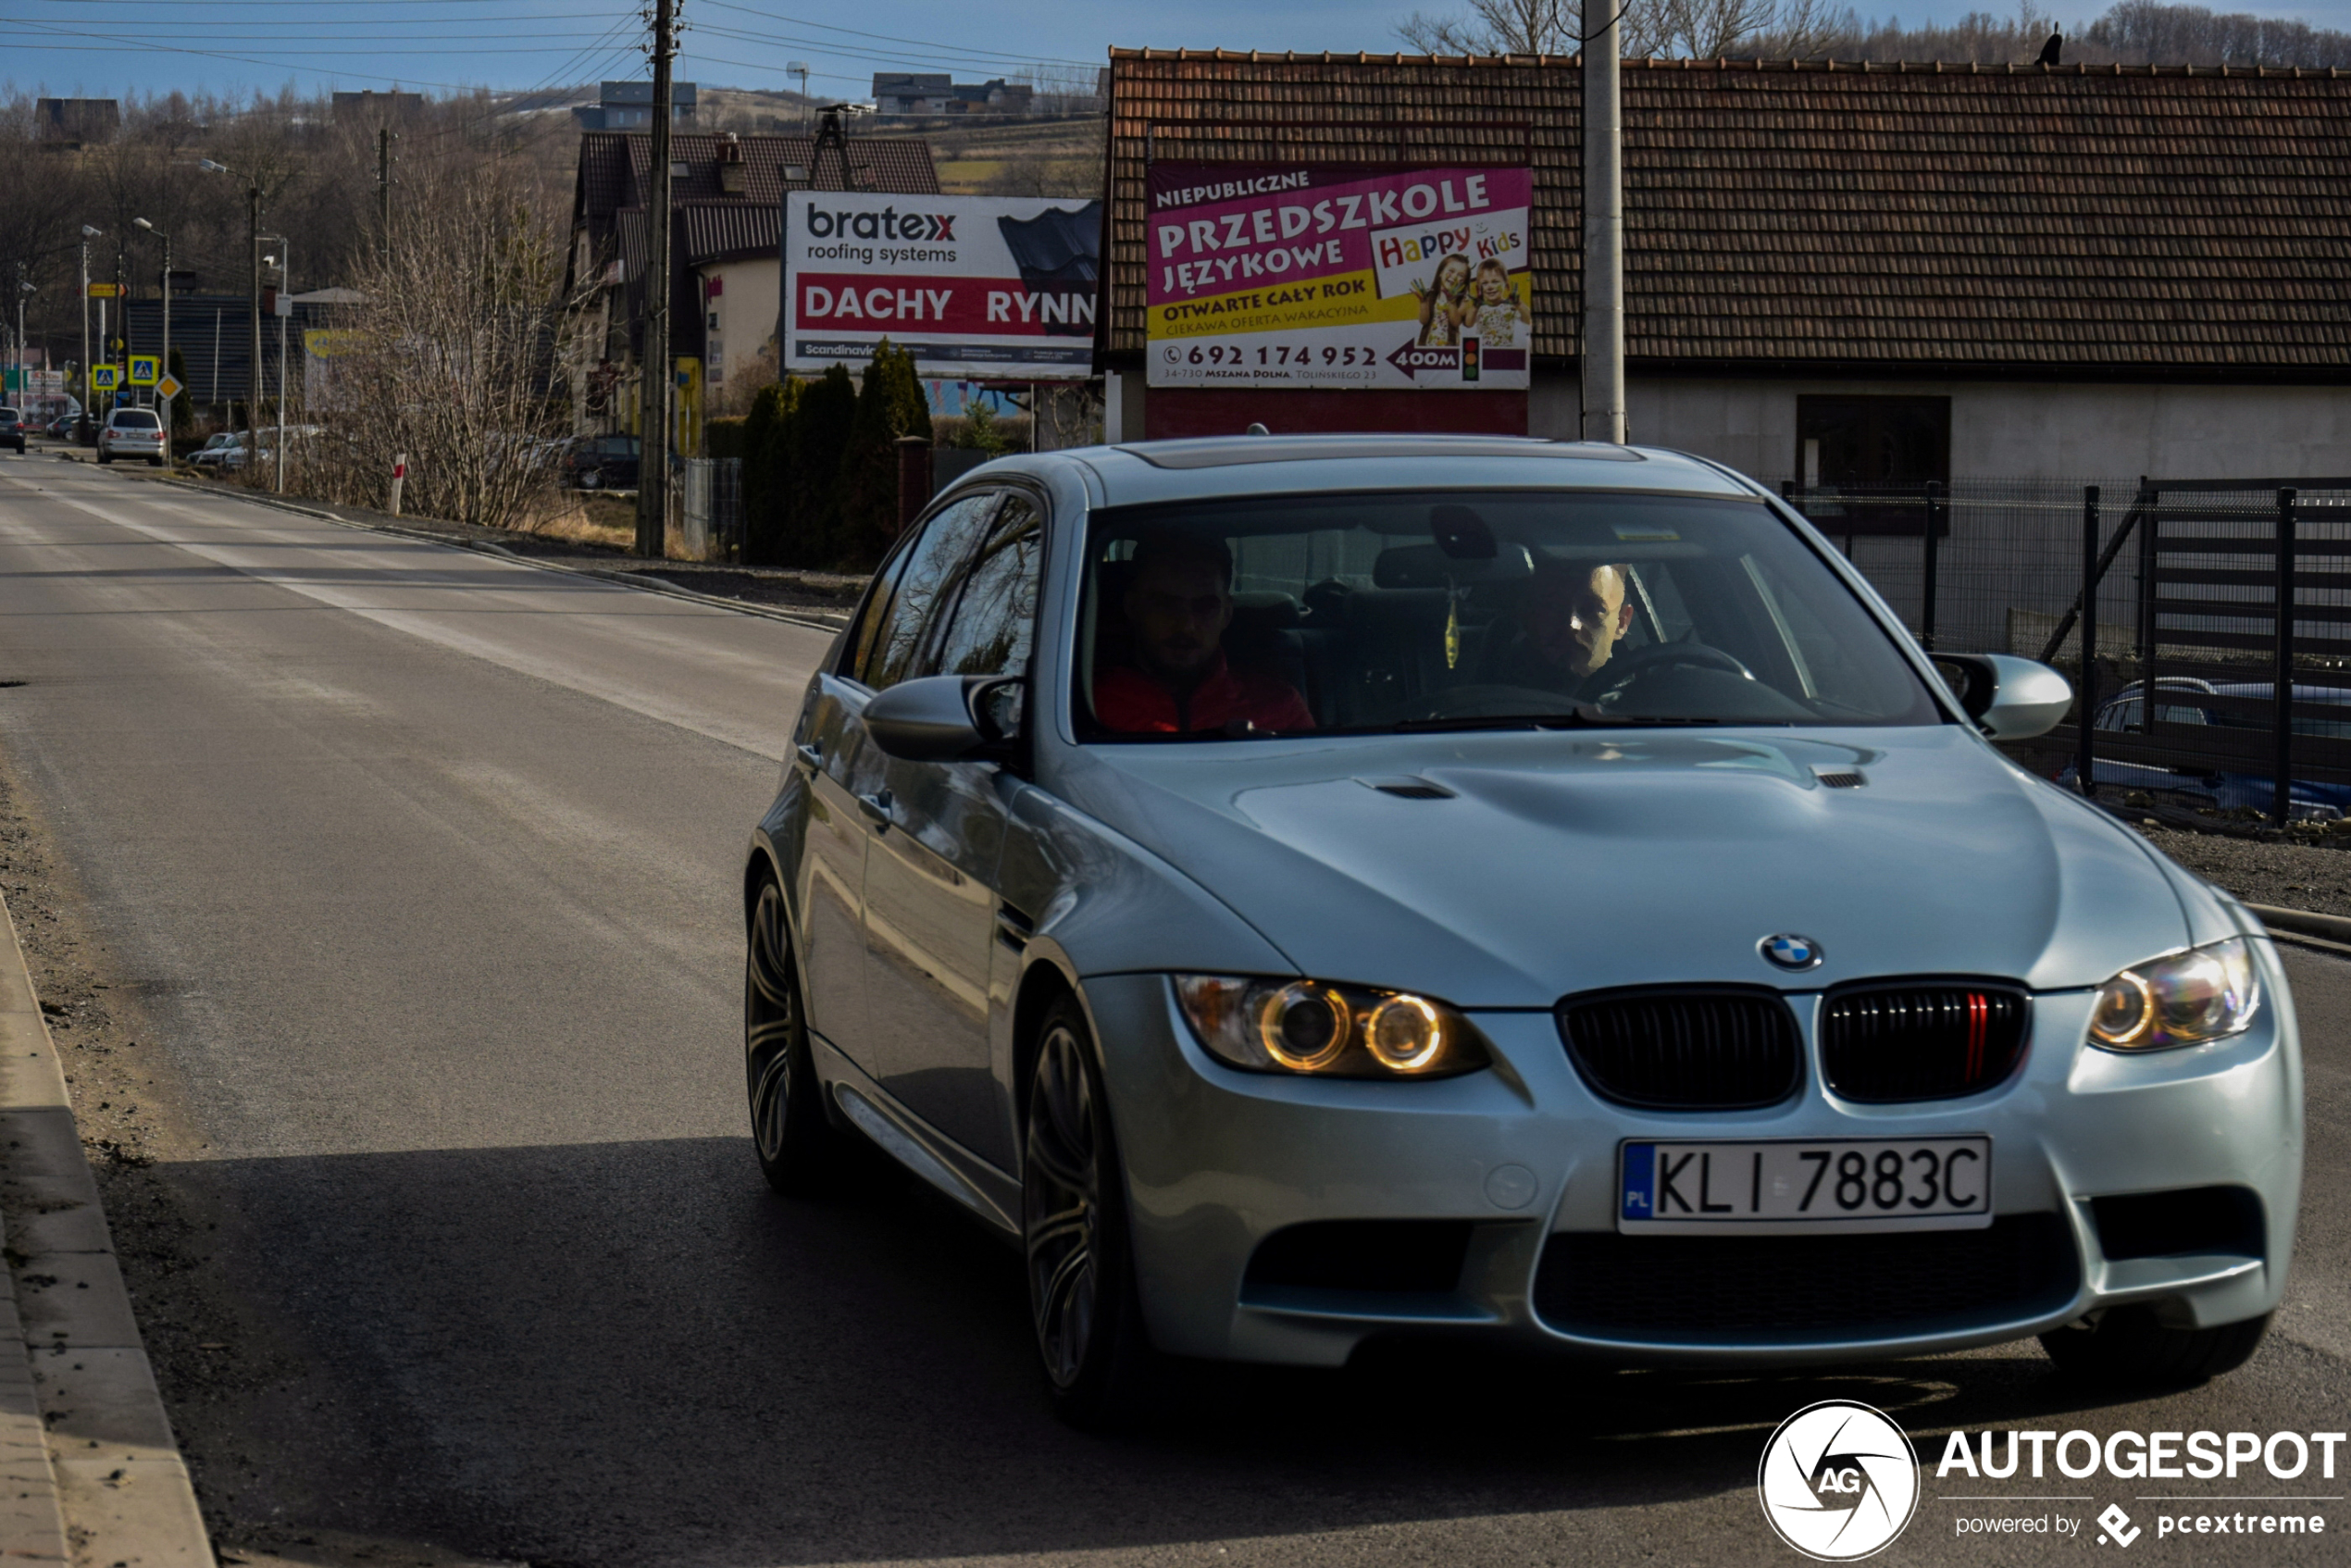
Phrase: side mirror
[2010,699]
[946,718]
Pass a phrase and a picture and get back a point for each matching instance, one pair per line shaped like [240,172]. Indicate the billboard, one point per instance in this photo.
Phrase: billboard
[973,286]
[1338,275]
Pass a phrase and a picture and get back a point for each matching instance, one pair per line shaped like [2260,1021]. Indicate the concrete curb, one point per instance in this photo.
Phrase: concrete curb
[90,1473]
[816,620]
[2328,930]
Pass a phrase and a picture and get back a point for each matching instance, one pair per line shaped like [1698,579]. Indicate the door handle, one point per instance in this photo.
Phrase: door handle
[877,807]
[812,756]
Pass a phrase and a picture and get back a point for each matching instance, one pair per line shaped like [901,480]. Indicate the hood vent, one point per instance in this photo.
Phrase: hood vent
[1845,780]
[1409,788]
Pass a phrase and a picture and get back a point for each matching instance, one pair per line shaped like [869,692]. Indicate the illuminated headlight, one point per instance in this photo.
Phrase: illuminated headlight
[2204,994]
[1326,1030]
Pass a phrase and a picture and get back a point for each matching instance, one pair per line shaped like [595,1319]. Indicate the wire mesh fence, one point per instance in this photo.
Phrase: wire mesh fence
[2199,688]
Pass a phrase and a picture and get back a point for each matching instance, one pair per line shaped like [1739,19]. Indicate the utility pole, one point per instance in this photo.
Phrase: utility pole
[383,190]
[1603,227]
[159,234]
[253,398]
[653,466]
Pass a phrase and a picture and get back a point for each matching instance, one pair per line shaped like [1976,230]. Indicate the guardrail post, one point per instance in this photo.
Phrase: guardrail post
[2085,765]
[1934,526]
[2283,691]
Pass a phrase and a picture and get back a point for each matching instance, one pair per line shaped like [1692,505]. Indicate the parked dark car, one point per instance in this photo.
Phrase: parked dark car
[602,462]
[12,429]
[2185,700]
[62,425]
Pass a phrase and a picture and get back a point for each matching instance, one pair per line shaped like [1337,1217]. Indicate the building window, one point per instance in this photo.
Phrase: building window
[1863,443]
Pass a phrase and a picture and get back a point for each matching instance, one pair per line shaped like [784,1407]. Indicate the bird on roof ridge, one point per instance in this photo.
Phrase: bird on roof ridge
[2049,51]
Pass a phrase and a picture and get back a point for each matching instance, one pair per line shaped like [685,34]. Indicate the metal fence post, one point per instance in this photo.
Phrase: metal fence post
[2150,508]
[1926,593]
[2283,801]
[2084,764]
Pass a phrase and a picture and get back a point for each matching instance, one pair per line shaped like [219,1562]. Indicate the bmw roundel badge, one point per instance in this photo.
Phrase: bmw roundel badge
[1789,951]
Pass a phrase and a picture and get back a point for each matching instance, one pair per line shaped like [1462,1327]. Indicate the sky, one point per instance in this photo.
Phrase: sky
[113,48]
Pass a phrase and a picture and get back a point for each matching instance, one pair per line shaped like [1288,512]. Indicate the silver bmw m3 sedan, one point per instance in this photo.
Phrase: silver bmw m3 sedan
[1301,890]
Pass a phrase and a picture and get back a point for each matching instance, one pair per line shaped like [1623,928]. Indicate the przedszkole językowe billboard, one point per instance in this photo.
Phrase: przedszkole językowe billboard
[972,286]
[1335,276]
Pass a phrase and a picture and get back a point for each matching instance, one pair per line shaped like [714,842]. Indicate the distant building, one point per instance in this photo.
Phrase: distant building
[908,93]
[77,122]
[725,234]
[628,106]
[370,105]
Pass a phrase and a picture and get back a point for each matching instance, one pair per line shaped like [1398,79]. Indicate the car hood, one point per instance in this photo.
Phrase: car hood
[1561,862]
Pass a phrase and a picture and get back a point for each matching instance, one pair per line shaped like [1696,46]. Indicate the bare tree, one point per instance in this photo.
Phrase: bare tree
[450,361]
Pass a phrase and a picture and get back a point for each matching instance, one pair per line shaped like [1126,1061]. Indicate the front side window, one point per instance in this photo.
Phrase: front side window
[1280,615]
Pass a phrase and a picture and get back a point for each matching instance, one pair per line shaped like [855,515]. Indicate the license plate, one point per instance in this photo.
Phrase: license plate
[1794,1184]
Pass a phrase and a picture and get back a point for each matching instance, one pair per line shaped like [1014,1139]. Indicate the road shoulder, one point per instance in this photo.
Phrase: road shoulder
[87,1455]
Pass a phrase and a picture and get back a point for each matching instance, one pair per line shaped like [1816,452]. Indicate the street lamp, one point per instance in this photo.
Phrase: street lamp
[252,232]
[285,314]
[81,429]
[23,373]
[166,311]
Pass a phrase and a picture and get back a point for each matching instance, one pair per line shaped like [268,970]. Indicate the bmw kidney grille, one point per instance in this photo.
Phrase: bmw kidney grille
[1718,1049]
[1914,1042]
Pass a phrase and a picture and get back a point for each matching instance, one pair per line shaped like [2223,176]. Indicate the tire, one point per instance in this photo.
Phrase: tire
[797,1148]
[1083,1302]
[105,457]
[2128,1349]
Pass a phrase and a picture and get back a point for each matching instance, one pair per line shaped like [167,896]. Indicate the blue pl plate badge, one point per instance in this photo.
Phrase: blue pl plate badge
[1640,1181]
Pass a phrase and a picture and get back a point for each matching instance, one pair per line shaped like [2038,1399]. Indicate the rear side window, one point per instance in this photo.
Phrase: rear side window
[890,650]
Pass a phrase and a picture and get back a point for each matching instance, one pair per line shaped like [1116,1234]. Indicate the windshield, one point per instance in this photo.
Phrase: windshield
[1285,614]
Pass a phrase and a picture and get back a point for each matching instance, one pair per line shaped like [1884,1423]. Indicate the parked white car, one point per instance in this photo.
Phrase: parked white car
[133,433]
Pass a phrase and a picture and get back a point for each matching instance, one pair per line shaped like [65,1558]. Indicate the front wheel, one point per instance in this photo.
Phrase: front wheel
[797,1148]
[1082,1296]
[2129,1349]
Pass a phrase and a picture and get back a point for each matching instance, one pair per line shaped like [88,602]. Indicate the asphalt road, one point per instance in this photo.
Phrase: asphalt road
[420,866]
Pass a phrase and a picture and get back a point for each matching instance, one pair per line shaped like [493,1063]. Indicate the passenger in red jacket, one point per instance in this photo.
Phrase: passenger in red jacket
[1178,605]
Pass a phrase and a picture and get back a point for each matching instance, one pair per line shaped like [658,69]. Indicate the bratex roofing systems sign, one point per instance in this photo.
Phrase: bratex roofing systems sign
[973,286]
[1285,275]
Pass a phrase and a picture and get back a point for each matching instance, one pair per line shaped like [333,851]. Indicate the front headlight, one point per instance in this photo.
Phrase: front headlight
[1326,1030]
[2192,998]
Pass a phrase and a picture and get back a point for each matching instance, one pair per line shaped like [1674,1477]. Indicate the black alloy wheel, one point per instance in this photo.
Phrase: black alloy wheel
[797,1146]
[1082,1296]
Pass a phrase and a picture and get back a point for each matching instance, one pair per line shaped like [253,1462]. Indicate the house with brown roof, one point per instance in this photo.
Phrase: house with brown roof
[726,236]
[1845,272]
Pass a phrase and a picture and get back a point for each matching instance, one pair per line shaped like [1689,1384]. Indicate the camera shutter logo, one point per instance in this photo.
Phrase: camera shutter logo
[1839,1481]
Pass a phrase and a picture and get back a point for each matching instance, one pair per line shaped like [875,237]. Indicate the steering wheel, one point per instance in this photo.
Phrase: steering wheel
[1617,674]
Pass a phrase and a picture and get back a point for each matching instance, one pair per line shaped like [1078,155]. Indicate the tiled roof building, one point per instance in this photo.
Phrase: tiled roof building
[1840,220]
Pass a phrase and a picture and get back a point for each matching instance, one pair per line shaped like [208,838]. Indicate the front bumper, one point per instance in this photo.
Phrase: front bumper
[1219,1160]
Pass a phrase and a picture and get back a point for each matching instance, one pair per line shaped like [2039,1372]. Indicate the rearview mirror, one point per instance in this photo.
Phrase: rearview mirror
[2008,698]
[946,718]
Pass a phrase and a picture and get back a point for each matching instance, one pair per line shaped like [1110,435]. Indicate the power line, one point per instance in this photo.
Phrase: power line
[924,43]
[827,48]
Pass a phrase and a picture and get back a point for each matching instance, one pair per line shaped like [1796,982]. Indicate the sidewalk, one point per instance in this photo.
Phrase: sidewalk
[90,1473]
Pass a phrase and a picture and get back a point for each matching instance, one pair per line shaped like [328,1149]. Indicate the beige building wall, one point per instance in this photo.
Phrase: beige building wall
[2022,429]
[745,310]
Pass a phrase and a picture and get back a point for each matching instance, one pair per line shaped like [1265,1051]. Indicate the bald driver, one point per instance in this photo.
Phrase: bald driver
[1566,628]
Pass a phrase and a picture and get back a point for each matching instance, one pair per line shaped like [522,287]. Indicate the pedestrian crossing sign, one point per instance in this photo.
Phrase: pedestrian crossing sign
[105,378]
[145,369]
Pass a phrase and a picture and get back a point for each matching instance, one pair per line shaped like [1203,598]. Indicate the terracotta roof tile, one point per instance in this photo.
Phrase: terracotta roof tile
[1916,217]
